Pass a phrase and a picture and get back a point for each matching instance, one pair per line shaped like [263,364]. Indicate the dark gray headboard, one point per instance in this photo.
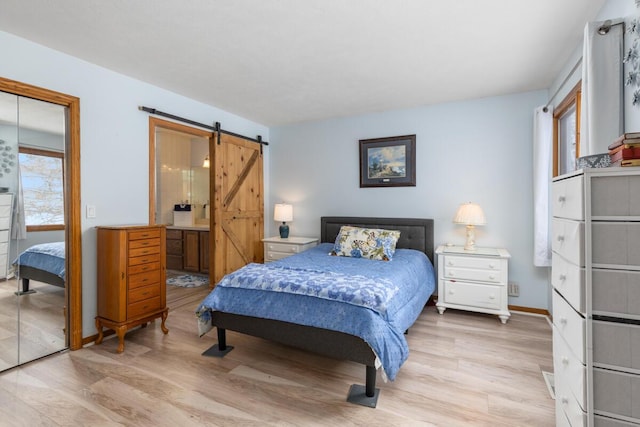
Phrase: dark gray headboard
[415,233]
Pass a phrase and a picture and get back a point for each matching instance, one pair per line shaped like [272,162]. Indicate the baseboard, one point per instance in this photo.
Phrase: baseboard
[540,311]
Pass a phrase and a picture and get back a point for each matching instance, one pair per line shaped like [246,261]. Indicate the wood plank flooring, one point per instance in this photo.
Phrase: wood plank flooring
[464,369]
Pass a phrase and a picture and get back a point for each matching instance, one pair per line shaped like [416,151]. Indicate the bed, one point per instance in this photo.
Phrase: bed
[44,263]
[416,234]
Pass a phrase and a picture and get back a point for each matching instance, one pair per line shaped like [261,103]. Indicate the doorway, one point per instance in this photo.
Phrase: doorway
[28,132]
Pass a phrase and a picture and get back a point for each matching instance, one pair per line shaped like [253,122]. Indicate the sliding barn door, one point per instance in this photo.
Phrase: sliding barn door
[238,217]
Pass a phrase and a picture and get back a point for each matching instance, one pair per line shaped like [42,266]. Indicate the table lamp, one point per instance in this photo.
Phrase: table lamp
[470,214]
[283,212]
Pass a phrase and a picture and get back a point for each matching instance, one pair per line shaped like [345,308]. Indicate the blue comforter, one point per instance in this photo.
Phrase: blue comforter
[45,256]
[295,290]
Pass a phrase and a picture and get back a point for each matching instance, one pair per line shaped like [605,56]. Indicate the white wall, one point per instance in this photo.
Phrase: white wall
[477,150]
[114,138]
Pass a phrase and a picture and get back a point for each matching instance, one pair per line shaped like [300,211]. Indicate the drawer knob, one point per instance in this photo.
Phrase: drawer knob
[293,249]
[560,238]
[449,262]
[492,265]
[492,277]
[563,320]
[565,360]
[562,199]
[563,277]
[451,292]
[452,273]
[492,296]
[564,400]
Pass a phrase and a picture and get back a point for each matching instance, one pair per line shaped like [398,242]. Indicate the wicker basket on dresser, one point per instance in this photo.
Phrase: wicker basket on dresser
[596,297]
[131,278]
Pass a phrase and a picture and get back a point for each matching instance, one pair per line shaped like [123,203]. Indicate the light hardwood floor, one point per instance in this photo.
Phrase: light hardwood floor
[464,369]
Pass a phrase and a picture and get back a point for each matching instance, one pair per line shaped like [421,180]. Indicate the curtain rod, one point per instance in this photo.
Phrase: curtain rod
[602,30]
[575,67]
[215,128]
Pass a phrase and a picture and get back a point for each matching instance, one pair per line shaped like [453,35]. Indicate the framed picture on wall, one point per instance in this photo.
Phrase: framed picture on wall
[388,162]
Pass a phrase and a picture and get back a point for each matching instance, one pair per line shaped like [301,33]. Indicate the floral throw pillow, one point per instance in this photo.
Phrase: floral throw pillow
[372,243]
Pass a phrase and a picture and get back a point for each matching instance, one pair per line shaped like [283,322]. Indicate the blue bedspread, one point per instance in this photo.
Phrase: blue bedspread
[408,281]
[45,256]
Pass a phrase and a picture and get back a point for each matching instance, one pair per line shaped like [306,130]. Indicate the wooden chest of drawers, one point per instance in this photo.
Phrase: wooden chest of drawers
[131,279]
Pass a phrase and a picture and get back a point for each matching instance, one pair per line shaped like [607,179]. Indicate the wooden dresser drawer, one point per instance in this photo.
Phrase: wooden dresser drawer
[570,325]
[142,268]
[147,250]
[149,233]
[472,294]
[567,240]
[144,292]
[146,259]
[568,279]
[144,243]
[144,307]
[616,292]
[144,279]
[567,198]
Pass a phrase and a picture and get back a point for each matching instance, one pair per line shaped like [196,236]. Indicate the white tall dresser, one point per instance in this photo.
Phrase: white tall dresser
[596,297]
[6,205]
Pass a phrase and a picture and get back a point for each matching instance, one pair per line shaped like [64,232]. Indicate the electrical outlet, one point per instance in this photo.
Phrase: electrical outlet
[513,290]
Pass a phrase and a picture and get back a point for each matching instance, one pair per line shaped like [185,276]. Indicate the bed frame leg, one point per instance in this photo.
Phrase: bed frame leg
[220,349]
[365,395]
[25,288]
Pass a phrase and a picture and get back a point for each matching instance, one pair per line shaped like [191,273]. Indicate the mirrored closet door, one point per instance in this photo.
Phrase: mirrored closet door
[33,297]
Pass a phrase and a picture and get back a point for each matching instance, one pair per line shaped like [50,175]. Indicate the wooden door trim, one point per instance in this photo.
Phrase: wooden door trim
[73,232]
[154,123]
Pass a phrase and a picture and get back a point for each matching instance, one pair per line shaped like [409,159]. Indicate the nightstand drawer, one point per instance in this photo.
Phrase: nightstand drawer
[285,248]
[274,256]
[472,262]
[473,274]
[472,294]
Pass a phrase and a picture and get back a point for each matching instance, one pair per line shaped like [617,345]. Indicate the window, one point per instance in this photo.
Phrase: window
[42,177]
[566,133]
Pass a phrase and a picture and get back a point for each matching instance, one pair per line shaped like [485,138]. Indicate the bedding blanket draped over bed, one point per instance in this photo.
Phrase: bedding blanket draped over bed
[374,300]
[45,256]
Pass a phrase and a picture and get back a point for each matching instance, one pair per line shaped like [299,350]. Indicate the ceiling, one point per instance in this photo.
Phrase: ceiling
[278,62]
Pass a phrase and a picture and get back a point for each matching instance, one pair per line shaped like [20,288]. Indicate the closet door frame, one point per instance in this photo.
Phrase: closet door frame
[73,230]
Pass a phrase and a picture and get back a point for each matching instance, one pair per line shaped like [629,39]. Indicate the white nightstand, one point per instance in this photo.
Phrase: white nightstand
[277,248]
[474,281]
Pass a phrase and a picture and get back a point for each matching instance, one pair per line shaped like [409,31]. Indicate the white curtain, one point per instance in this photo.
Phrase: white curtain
[19,229]
[602,111]
[542,151]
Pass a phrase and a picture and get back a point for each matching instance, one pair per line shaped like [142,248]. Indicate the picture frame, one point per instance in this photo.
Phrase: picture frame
[388,162]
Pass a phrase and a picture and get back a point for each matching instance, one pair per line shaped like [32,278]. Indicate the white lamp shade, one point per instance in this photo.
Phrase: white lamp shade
[283,212]
[470,214]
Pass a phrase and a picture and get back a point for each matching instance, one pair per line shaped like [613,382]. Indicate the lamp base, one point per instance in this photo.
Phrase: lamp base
[284,231]
[470,245]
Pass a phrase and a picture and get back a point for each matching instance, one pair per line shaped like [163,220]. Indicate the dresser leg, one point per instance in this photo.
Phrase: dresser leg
[503,318]
[120,331]
[441,309]
[165,313]
[99,328]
